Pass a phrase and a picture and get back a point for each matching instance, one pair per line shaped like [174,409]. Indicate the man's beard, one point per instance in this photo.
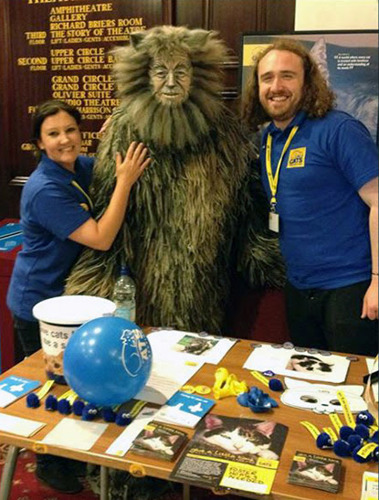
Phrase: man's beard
[173,126]
[285,114]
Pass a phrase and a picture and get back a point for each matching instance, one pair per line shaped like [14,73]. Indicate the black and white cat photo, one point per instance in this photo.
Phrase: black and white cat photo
[198,346]
[316,472]
[153,442]
[307,363]
[251,439]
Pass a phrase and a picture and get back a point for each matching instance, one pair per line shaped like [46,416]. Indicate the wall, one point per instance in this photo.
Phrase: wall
[43,42]
[313,15]
[29,29]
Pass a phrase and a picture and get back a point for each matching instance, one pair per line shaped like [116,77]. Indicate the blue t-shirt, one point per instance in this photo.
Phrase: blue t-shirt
[51,209]
[324,234]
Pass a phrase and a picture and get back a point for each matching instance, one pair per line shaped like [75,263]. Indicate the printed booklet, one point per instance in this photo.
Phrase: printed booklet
[232,453]
[315,471]
[13,388]
[159,441]
[184,409]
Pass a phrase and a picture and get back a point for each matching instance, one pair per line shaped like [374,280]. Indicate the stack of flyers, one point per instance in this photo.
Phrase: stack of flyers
[315,471]
[159,441]
[240,454]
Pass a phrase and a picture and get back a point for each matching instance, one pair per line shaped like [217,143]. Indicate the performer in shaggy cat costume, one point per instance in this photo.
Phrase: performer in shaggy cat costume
[198,213]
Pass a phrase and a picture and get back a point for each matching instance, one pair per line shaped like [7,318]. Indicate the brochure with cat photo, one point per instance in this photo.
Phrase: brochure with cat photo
[315,471]
[159,441]
[239,454]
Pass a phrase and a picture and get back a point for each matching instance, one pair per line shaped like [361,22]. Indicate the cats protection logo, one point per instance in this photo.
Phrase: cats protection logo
[296,158]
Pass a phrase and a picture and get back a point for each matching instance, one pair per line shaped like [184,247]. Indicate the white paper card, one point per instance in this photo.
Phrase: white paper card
[75,434]
[165,379]
[372,365]
[124,441]
[298,364]
[20,426]
[371,362]
[370,488]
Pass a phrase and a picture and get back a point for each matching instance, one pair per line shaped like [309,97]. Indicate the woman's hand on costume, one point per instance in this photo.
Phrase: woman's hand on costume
[130,169]
[100,234]
[370,301]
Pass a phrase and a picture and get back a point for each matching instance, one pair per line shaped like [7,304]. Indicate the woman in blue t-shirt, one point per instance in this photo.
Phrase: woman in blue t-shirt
[56,221]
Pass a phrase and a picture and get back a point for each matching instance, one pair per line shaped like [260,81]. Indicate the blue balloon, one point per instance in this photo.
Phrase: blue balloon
[107,361]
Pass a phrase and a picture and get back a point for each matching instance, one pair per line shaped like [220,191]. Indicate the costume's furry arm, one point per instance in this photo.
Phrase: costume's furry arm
[258,255]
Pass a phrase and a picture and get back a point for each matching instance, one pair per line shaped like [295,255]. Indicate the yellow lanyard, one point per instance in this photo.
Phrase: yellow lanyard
[274,179]
[78,186]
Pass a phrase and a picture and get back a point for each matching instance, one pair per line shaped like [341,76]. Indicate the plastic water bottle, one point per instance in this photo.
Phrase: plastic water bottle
[124,295]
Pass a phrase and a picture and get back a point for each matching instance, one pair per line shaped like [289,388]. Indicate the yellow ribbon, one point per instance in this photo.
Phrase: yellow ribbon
[273,180]
[336,421]
[311,428]
[79,187]
[45,389]
[346,409]
[260,377]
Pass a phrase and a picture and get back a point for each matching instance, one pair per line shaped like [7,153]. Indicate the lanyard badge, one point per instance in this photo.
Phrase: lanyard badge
[273,221]
[273,180]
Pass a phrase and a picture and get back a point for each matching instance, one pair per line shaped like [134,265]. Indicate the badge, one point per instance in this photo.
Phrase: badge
[296,158]
[188,388]
[273,222]
[202,389]
[288,345]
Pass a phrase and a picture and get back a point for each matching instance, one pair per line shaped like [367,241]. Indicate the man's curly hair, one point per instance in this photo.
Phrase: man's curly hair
[317,99]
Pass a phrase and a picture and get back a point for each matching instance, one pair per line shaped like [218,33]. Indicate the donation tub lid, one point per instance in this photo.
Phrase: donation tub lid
[72,309]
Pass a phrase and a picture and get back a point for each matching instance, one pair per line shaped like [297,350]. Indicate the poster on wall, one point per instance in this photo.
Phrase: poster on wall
[347,59]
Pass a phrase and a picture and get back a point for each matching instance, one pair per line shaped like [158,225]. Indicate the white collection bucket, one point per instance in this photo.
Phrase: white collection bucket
[58,318]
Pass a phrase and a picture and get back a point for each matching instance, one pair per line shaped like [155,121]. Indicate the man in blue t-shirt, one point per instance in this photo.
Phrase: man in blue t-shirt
[320,173]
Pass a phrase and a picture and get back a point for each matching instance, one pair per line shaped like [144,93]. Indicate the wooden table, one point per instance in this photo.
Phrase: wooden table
[298,438]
